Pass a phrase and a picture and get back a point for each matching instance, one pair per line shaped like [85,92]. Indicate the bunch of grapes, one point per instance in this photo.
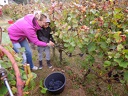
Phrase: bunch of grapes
[53,85]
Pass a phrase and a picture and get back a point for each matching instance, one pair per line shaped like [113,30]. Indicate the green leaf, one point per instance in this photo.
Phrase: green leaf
[86,39]
[111,54]
[125,51]
[26,88]
[21,70]
[34,75]
[105,24]
[74,33]
[7,65]
[103,45]
[117,36]
[118,60]
[109,87]
[91,47]
[44,90]
[33,84]
[41,84]
[126,76]
[5,38]
[66,40]
[22,49]
[66,45]
[108,40]
[123,64]
[73,44]
[122,81]
[12,82]
[71,49]
[107,63]
[3,90]
[24,77]
[126,56]
[118,16]
[79,45]
[117,10]
[100,54]
[10,76]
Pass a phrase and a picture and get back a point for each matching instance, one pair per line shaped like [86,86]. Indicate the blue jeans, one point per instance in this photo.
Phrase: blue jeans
[27,56]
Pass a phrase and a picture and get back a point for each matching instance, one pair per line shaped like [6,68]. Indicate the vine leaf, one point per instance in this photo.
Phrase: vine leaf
[117,55]
[3,90]
[5,38]
[123,64]
[91,47]
[125,51]
[107,63]
[117,36]
[120,47]
[44,90]
[118,60]
[126,76]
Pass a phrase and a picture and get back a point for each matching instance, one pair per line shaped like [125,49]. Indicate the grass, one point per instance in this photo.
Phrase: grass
[76,86]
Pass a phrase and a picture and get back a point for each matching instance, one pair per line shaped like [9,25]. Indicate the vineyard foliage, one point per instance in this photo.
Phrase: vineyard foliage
[27,77]
[5,62]
[98,29]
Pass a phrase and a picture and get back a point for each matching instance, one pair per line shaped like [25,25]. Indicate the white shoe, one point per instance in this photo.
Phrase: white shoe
[35,68]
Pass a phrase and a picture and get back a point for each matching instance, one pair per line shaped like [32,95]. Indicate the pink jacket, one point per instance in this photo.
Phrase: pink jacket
[25,27]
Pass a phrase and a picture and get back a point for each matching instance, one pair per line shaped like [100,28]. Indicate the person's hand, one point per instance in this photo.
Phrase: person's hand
[50,44]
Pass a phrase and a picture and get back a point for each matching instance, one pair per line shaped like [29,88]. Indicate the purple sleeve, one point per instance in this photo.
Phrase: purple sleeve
[31,35]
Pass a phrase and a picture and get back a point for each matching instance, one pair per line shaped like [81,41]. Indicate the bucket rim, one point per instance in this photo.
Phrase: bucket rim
[58,88]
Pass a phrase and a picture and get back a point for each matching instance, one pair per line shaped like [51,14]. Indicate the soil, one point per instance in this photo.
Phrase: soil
[74,74]
[71,87]
[69,90]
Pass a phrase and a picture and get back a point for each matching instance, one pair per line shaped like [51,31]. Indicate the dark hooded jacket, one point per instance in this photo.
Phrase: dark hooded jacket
[45,35]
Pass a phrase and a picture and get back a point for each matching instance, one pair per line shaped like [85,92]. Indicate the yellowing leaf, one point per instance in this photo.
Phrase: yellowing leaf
[120,47]
[117,36]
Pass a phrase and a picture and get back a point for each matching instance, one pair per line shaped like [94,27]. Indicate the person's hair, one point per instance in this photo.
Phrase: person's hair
[40,17]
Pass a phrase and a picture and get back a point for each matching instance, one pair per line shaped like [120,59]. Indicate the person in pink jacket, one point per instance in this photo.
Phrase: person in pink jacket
[24,30]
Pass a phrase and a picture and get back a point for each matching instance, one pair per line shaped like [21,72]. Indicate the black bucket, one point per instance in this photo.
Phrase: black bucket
[55,78]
